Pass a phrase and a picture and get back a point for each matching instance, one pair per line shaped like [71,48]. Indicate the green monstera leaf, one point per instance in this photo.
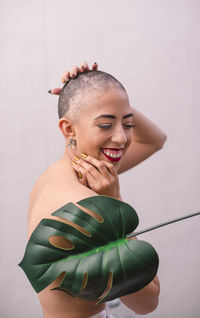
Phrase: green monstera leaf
[100,263]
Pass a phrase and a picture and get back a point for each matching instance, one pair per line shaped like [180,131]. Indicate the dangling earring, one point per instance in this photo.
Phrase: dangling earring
[72,143]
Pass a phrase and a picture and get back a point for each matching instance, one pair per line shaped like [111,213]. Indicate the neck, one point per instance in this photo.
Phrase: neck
[68,156]
[65,165]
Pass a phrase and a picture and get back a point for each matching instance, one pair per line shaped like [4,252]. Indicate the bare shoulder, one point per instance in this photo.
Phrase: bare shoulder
[53,189]
[51,192]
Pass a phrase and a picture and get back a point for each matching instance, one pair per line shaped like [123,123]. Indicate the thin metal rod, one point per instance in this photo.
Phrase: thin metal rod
[163,224]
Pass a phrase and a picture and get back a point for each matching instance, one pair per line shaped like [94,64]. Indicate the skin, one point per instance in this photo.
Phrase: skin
[101,133]
[61,183]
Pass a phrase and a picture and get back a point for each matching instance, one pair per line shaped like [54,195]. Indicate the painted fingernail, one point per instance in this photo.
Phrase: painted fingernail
[75,158]
[80,176]
[74,163]
[49,91]
[63,81]
[84,155]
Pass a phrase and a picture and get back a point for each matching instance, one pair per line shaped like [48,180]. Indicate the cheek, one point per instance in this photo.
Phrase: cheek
[96,143]
[129,139]
[130,136]
[89,144]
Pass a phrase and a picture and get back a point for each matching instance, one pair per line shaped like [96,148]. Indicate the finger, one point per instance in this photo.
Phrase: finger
[74,71]
[84,66]
[80,173]
[87,177]
[99,164]
[82,179]
[90,170]
[65,77]
[95,66]
[105,167]
[79,70]
[55,91]
[111,168]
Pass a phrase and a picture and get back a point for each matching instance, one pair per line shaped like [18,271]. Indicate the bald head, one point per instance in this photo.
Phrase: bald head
[76,91]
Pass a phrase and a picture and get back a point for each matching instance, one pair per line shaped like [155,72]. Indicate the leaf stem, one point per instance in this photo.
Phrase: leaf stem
[163,224]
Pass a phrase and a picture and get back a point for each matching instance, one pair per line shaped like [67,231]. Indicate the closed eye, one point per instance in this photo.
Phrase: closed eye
[105,126]
[129,125]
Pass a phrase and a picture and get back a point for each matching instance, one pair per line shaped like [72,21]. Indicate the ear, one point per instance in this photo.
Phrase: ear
[66,127]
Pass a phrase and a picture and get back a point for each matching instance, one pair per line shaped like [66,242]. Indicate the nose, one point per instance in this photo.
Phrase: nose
[119,136]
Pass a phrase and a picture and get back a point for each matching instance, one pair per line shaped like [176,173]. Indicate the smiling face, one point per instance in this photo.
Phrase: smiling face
[104,126]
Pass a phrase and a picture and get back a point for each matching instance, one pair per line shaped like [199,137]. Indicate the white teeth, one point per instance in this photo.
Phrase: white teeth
[113,155]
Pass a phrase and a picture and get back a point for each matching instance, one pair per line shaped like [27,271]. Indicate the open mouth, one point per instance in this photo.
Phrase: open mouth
[113,154]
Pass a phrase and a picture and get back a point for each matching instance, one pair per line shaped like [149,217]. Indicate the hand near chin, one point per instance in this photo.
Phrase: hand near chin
[98,175]
[75,70]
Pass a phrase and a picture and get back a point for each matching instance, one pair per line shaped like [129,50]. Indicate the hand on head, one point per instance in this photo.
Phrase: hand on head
[75,70]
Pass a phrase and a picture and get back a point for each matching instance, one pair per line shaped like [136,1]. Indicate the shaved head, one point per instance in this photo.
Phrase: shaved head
[76,91]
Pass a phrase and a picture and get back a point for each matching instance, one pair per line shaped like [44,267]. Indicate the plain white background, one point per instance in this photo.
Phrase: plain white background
[153,48]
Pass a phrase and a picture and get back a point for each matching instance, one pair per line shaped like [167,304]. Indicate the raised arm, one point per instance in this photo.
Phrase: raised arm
[147,139]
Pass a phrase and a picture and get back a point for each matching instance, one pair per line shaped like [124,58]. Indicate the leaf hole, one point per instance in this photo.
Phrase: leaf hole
[61,242]
[93,214]
[108,288]
[58,281]
[76,226]
[85,280]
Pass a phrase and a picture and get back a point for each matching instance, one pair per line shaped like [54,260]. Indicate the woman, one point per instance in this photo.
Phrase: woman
[104,137]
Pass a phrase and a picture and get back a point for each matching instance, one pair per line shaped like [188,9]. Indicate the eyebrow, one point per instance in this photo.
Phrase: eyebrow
[112,116]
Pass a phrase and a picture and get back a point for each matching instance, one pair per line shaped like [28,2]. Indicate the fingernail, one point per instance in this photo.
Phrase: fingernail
[83,155]
[74,163]
[80,176]
[63,81]
[75,158]
[49,91]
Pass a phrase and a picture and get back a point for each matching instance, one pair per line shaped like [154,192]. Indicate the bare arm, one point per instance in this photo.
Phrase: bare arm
[145,300]
[147,139]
